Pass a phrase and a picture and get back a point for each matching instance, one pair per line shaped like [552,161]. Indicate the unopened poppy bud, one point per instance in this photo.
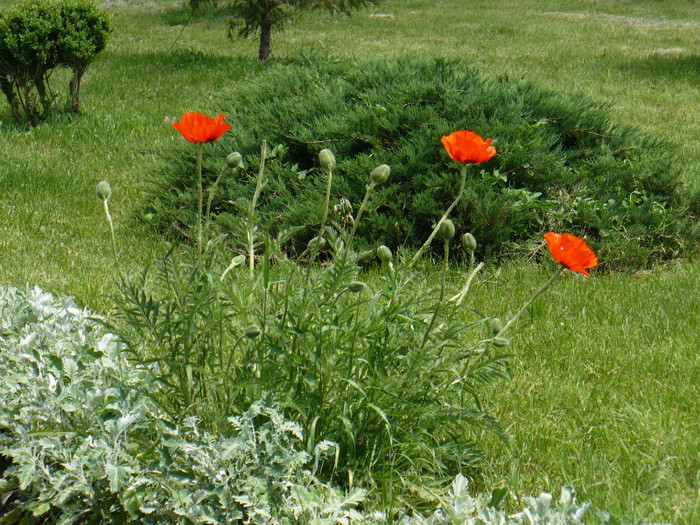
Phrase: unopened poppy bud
[496,326]
[252,332]
[500,342]
[446,230]
[469,242]
[234,160]
[384,254]
[380,174]
[327,160]
[104,191]
[356,286]
[238,260]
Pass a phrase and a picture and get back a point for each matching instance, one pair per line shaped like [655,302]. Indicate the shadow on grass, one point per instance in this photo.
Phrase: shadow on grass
[674,66]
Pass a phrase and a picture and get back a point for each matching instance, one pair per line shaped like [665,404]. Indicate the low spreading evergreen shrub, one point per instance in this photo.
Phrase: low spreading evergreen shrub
[562,164]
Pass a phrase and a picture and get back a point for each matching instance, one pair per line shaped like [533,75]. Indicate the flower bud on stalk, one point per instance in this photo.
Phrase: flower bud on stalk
[380,174]
[446,230]
[469,242]
[234,160]
[238,260]
[252,332]
[104,191]
[356,286]
[496,325]
[327,160]
[500,342]
[384,254]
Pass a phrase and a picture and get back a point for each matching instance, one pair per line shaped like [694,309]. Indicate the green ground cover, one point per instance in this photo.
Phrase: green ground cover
[604,391]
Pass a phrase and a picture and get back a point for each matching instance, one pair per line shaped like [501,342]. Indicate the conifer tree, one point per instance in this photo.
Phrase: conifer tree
[254,17]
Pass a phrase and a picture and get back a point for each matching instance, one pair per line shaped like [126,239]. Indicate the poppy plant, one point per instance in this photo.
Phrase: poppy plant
[570,251]
[467,146]
[198,128]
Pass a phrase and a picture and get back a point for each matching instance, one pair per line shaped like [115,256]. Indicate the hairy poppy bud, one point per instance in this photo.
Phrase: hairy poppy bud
[356,286]
[327,160]
[238,260]
[252,332]
[500,342]
[384,254]
[496,325]
[234,160]
[380,174]
[104,191]
[446,230]
[469,242]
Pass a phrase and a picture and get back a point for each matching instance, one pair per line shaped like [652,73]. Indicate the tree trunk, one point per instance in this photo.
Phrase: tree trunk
[75,88]
[265,32]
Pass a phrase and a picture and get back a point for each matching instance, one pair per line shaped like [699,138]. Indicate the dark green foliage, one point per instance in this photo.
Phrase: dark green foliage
[562,165]
[38,36]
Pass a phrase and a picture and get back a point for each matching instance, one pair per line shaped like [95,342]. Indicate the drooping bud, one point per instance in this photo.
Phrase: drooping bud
[252,332]
[496,326]
[446,230]
[384,254]
[356,286]
[234,160]
[104,191]
[469,242]
[327,160]
[238,260]
[500,342]
[380,174]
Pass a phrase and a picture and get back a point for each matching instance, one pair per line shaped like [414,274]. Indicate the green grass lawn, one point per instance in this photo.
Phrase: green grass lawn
[604,395]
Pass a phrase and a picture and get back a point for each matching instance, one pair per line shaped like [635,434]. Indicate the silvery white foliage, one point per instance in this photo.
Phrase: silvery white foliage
[462,509]
[88,443]
[540,510]
[459,508]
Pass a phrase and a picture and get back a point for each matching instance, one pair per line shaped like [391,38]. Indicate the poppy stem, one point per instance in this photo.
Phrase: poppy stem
[539,292]
[368,192]
[457,299]
[200,202]
[463,170]
[212,192]
[438,306]
[251,212]
[111,231]
[316,247]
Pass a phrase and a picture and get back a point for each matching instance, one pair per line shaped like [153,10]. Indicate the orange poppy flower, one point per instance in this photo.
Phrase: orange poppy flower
[570,251]
[198,128]
[467,146]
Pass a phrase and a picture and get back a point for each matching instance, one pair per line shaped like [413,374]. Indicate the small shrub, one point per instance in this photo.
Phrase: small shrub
[36,37]
[561,164]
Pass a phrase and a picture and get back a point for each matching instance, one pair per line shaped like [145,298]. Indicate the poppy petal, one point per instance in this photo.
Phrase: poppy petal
[571,251]
[467,146]
[198,128]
